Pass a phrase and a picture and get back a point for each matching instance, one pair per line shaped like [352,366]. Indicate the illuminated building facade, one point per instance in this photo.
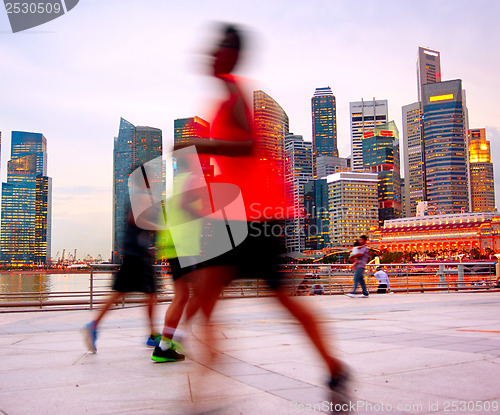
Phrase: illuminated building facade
[428,72]
[414,157]
[353,206]
[455,232]
[381,156]
[43,222]
[446,151]
[271,125]
[185,128]
[365,115]
[298,171]
[324,124]
[133,146]
[326,165]
[25,236]
[428,69]
[317,214]
[481,172]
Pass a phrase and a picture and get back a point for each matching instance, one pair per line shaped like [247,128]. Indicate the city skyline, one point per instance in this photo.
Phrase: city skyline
[75,95]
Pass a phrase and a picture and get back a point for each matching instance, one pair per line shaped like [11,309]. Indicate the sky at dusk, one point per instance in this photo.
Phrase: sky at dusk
[73,78]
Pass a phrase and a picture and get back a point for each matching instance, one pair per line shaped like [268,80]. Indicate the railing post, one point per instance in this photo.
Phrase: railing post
[442,277]
[407,282]
[461,275]
[91,289]
[330,277]
[258,287]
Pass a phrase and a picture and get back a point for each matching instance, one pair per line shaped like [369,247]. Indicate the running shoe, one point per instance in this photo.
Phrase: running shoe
[154,340]
[90,336]
[351,295]
[338,383]
[178,347]
[169,355]
[363,296]
[339,396]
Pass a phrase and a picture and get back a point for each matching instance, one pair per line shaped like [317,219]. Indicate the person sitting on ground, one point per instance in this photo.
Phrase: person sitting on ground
[384,285]
[317,289]
[303,288]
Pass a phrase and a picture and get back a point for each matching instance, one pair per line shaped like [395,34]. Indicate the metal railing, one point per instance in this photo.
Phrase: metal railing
[334,279]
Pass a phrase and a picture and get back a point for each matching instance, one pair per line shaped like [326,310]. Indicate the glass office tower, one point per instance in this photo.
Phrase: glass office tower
[133,147]
[365,115]
[298,171]
[324,124]
[446,152]
[25,236]
[381,156]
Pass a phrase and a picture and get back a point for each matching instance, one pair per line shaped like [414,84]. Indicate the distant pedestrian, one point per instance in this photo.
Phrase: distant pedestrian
[384,285]
[360,259]
[355,251]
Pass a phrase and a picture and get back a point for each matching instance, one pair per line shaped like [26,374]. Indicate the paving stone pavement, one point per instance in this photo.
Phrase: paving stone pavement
[436,353]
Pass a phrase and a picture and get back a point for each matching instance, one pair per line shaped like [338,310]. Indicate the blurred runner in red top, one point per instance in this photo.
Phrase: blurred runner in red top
[241,161]
[253,171]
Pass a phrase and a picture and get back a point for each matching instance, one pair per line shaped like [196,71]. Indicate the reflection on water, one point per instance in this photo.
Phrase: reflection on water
[42,285]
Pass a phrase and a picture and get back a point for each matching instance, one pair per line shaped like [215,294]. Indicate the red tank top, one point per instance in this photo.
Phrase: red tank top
[255,174]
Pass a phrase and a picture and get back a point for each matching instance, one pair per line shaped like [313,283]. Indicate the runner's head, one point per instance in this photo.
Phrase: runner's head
[227,52]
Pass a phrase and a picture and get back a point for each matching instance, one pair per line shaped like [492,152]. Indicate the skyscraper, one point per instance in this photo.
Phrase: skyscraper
[428,68]
[428,72]
[324,124]
[381,156]
[326,165]
[25,236]
[481,172]
[353,206]
[445,142]
[184,128]
[133,147]
[414,157]
[271,124]
[365,115]
[298,171]
[317,215]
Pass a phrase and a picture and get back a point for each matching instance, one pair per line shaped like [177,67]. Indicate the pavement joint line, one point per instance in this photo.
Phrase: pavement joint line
[190,389]
[80,358]
[423,369]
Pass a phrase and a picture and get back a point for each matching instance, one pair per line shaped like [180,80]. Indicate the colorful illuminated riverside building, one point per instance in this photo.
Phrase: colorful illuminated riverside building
[381,156]
[25,236]
[481,172]
[447,233]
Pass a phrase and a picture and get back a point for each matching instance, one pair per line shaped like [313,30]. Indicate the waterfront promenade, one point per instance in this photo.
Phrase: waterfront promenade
[413,353]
